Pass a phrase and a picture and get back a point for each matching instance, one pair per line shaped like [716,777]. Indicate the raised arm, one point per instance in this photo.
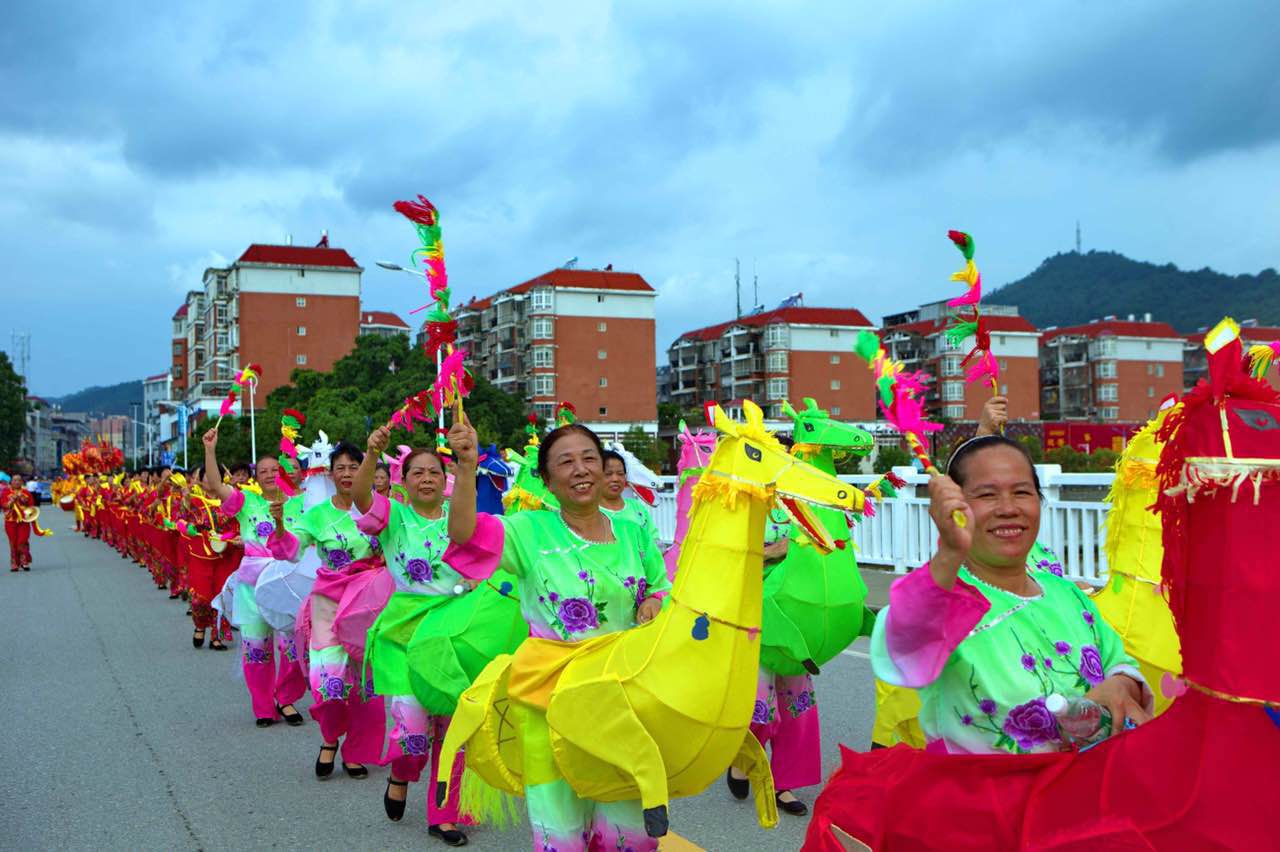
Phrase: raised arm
[462,506]
[212,481]
[362,488]
[995,413]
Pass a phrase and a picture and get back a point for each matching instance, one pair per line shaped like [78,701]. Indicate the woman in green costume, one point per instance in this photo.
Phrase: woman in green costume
[613,504]
[581,574]
[430,602]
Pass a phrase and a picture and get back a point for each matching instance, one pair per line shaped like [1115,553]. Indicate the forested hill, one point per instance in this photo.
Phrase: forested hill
[1071,288]
[113,399]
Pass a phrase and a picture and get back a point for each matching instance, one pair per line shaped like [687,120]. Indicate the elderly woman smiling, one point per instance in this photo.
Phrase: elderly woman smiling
[985,640]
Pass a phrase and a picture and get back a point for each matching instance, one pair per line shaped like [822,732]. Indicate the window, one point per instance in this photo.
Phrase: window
[775,336]
[604,326]
[1105,347]
[1004,390]
[604,383]
[955,412]
[545,410]
[1004,364]
[835,411]
[601,354]
[220,340]
[951,365]
[302,331]
[542,327]
[542,299]
[835,359]
[301,301]
[1159,371]
[543,357]
[835,384]
[953,391]
[1105,370]
[834,333]
[778,388]
[1151,369]
[544,385]
[1109,412]
[1151,392]
[1108,393]
[599,299]
[301,360]
[776,361]
[604,412]
[177,349]
[177,372]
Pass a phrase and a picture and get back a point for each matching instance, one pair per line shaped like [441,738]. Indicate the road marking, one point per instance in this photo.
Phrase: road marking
[675,843]
[851,653]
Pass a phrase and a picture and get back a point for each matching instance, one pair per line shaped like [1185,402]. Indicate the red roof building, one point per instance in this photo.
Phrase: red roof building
[1109,369]
[917,339]
[584,336]
[776,356]
[382,324]
[1195,361]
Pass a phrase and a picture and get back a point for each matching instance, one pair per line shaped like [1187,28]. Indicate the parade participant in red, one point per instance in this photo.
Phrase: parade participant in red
[209,561]
[18,505]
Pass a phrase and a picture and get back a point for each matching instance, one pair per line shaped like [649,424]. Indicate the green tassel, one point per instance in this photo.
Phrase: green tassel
[866,346]
[486,805]
[960,332]
[887,490]
[885,384]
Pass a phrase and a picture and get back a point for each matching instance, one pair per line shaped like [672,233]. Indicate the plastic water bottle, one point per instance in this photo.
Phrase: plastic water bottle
[1080,720]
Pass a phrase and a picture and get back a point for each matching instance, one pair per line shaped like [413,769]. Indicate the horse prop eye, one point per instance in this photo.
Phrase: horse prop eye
[1263,421]
[753,453]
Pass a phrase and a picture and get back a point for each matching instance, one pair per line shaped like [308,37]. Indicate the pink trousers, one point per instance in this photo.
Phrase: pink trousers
[785,722]
[415,743]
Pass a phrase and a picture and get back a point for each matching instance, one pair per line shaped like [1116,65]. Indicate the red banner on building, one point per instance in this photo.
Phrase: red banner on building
[1087,437]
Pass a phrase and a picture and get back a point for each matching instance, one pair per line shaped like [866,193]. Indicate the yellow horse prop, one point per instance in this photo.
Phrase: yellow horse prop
[661,710]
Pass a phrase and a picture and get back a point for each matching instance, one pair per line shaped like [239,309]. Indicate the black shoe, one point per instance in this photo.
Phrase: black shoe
[452,837]
[265,723]
[197,639]
[325,769]
[171,597]
[739,788]
[796,808]
[394,809]
[354,771]
[215,644]
[293,719]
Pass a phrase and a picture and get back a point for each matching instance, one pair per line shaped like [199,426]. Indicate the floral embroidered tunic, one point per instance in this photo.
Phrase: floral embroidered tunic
[570,588]
[776,527]
[333,531]
[986,659]
[414,546]
[253,513]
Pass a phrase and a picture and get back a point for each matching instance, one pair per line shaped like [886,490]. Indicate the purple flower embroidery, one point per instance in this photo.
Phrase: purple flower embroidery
[1054,568]
[334,687]
[264,528]
[628,582]
[987,706]
[1062,648]
[582,575]
[368,688]
[419,570]
[1031,724]
[1088,617]
[966,719]
[1028,662]
[1091,665]
[256,655]
[553,596]
[760,716]
[642,590]
[338,559]
[802,702]
[1048,663]
[578,615]
[414,744]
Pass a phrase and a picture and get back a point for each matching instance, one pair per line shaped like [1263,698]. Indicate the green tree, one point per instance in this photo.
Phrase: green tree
[650,449]
[13,411]
[668,415]
[1034,448]
[888,458]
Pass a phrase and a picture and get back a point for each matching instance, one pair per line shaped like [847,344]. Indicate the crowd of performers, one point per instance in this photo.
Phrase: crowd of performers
[547,645]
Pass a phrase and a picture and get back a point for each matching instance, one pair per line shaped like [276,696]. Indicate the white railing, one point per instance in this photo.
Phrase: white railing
[901,535]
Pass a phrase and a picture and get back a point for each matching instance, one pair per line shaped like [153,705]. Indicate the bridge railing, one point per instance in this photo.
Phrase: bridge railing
[901,534]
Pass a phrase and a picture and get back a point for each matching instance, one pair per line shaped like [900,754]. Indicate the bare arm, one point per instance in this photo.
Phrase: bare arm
[462,506]
[995,413]
[362,488]
[212,482]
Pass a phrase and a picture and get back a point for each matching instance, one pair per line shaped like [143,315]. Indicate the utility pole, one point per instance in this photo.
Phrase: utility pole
[21,346]
[1077,236]
[737,286]
[755,286]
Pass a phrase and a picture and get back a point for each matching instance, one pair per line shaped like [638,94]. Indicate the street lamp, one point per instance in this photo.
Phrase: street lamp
[395,267]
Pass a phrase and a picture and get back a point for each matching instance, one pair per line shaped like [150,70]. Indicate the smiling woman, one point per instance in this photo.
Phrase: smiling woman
[987,641]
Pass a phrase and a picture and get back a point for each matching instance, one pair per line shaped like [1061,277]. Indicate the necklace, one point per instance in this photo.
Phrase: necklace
[581,534]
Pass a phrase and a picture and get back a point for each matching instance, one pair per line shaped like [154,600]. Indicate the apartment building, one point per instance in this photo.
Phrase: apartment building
[282,307]
[585,336]
[382,324]
[1109,369]
[917,338]
[776,356]
[1195,361]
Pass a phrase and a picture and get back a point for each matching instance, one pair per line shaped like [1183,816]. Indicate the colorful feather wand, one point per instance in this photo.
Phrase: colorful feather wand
[249,375]
[981,363]
[452,381]
[1261,356]
[289,477]
[901,400]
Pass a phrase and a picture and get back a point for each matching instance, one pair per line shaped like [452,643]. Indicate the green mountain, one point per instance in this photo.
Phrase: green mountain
[113,399]
[1071,288]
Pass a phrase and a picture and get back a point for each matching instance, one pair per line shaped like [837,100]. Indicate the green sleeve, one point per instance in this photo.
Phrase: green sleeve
[516,528]
[655,569]
[304,531]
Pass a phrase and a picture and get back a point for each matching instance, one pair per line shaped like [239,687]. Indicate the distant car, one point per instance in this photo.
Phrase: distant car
[43,492]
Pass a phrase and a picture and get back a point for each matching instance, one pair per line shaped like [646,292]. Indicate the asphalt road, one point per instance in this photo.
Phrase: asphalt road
[117,734]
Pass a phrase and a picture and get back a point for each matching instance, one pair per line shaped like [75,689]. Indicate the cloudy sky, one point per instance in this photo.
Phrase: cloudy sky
[830,145]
